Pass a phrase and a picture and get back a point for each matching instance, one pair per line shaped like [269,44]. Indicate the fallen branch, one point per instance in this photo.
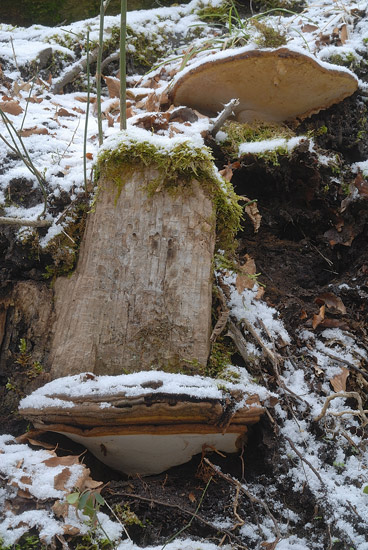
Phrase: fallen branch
[27,223]
[235,334]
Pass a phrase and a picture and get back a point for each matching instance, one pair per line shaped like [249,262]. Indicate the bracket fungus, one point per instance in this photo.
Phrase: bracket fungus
[271,85]
[147,422]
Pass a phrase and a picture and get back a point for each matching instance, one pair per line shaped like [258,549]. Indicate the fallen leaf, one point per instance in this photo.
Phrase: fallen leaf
[113,86]
[26,86]
[244,279]
[343,33]
[64,112]
[89,156]
[34,99]
[252,211]
[362,185]
[260,293]
[226,173]
[338,382]
[11,107]
[61,479]
[70,530]
[69,460]
[192,497]
[318,318]
[35,130]
[309,28]
[331,301]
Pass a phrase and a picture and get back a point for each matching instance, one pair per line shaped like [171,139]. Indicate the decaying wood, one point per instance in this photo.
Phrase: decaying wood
[72,74]
[141,295]
[160,413]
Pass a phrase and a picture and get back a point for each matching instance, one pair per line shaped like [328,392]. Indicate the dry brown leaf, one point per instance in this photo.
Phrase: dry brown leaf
[331,301]
[64,112]
[260,293]
[61,479]
[40,444]
[343,34]
[35,130]
[89,156]
[192,497]
[69,460]
[338,382]
[317,319]
[244,279]
[110,120]
[227,173]
[26,86]
[34,99]
[26,480]
[309,28]
[113,86]
[11,107]
[84,99]
[252,211]
[152,102]
[362,185]
[70,530]
[60,509]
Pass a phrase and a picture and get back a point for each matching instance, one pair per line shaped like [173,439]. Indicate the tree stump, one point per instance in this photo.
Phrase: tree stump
[140,297]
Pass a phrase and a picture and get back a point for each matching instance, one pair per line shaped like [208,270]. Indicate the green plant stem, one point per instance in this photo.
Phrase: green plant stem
[87,114]
[26,109]
[191,519]
[25,158]
[123,17]
[103,8]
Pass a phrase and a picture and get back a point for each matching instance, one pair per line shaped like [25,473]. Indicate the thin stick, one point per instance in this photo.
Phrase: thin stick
[103,8]
[87,114]
[305,460]
[347,363]
[27,223]
[224,115]
[123,17]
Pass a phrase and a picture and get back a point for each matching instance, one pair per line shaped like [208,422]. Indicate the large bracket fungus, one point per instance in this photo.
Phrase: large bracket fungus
[271,85]
[144,423]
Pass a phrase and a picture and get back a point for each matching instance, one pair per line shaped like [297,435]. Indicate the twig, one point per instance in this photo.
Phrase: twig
[345,362]
[27,223]
[251,497]
[223,116]
[305,460]
[223,317]
[347,394]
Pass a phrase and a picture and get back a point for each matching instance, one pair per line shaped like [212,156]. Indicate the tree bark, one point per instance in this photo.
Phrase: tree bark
[141,295]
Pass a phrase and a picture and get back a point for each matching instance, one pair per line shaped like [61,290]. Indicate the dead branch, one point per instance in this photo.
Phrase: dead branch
[251,497]
[75,70]
[27,223]
[223,318]
[304,460]
[347,394]
[223,116]
[269,354]
[152,501]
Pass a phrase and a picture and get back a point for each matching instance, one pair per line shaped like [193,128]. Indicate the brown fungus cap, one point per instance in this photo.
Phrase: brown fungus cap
[272,85]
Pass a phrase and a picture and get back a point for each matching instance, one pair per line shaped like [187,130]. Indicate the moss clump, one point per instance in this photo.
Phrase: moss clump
[268,36]
[218,14]
[178,168]
[219,359]
[237,133]
[295,6]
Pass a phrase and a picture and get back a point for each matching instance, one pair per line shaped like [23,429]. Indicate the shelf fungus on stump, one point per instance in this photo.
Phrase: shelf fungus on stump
[147,422]
[271,85]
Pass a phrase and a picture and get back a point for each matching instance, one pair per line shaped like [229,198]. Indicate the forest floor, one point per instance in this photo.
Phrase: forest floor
[301,480]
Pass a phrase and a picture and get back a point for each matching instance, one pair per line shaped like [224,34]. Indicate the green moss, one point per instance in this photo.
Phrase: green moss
[177,170]
[237,133]
[349,60]
[218,14]
[293,5]
[26,542]
[220,358]
[268,36]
